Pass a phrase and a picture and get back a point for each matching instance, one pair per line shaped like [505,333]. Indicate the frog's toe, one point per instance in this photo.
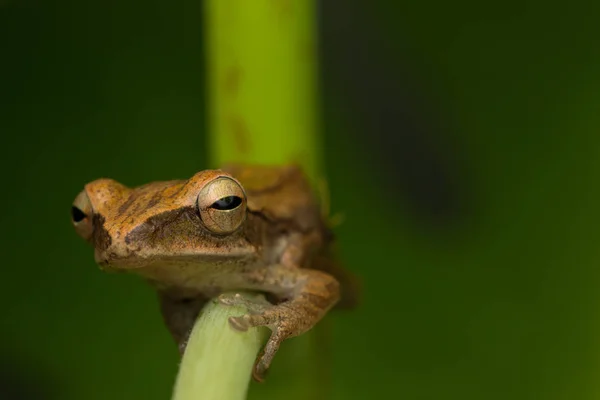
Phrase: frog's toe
[260,371]
[254,305]
[240,323]
[231,299]
[264,359]
[244,322]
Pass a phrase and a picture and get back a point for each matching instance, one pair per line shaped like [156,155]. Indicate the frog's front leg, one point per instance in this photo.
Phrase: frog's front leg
[306,296]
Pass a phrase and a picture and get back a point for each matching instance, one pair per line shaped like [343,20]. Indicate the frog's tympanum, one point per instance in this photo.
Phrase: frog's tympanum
[250,228]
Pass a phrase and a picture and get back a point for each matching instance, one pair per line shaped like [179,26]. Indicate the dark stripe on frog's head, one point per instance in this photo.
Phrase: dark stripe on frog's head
[100,238]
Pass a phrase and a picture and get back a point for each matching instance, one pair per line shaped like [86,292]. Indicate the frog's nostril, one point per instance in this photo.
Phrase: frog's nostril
[77,215]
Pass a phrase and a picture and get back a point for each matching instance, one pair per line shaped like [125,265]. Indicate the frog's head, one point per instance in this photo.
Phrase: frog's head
[174,222]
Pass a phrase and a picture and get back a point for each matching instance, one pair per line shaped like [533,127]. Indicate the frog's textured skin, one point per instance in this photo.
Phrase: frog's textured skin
[274,241]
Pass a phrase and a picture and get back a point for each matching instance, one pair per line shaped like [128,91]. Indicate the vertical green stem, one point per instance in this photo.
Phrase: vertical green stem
[217,360]
[262,82]
[262,96]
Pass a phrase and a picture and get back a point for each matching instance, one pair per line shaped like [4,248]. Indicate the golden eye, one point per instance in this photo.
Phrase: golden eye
[222,205]
[81,215]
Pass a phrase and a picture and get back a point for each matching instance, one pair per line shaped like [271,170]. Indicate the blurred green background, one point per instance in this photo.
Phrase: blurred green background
[461,143]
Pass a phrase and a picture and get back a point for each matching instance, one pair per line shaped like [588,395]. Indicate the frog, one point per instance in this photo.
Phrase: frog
[241,228]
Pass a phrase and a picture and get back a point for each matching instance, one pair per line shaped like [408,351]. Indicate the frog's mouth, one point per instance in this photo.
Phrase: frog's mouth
[193,273]
[110,261]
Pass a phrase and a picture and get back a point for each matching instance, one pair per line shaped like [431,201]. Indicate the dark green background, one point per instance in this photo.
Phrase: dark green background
[499,303]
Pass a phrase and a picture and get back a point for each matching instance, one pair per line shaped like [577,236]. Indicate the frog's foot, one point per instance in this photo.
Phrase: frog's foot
[310,294]
[262,313]
[284,320]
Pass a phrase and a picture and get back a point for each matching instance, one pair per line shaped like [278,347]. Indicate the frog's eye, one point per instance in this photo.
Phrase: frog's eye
[227,203]
[222,205]
[81,215]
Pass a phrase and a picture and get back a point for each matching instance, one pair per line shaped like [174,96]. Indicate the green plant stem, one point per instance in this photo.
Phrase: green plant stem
[217,358]
[262,82]
[262,94]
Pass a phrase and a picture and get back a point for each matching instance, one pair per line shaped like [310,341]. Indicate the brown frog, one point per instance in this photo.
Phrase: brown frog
[256,228]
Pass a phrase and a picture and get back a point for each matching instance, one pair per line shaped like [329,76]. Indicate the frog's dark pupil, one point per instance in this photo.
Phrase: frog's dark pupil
[227,203]
[77,214]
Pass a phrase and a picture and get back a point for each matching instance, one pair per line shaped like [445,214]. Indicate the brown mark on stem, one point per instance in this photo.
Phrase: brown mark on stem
[284,8]
[232,81]
[241,136]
